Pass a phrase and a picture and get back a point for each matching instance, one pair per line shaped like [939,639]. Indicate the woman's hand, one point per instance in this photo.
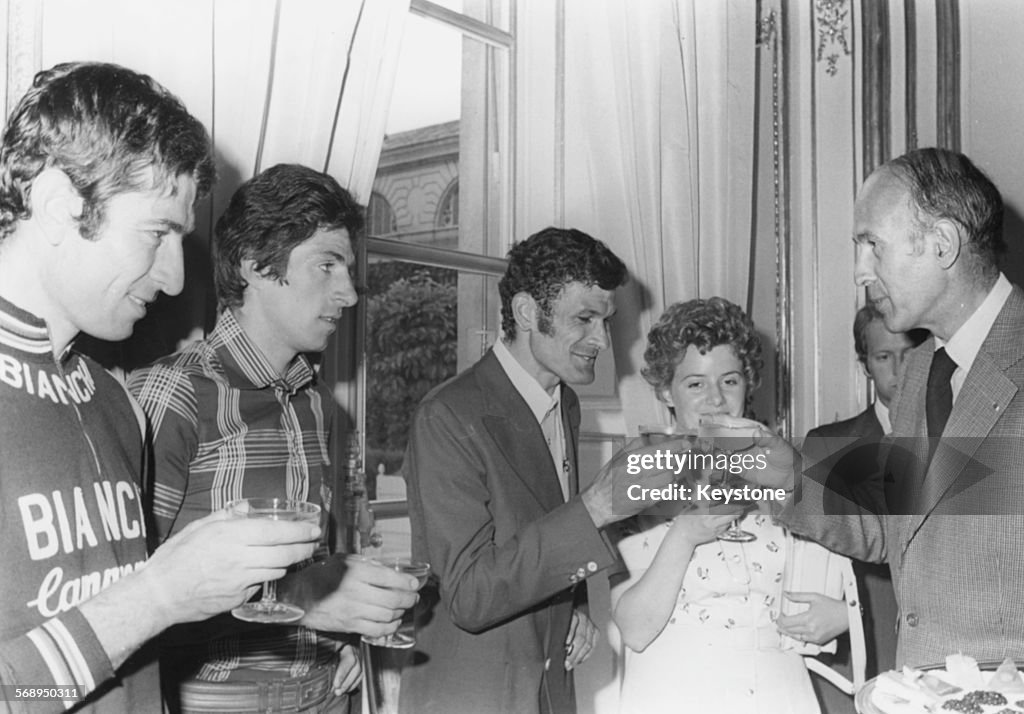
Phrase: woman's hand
[699,528]
[824,620]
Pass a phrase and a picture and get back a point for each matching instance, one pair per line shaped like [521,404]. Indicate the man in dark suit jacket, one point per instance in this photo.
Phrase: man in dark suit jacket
[848,451]
[492,480]
[928,228]
[880,354]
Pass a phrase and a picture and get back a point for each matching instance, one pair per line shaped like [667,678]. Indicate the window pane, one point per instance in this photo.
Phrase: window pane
[411,345]
[423,325]
[442,181]
[443,165]
[428,82]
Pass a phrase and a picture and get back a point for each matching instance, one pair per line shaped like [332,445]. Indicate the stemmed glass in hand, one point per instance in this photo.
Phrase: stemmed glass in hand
[420,571]
[267,609]
[722,439]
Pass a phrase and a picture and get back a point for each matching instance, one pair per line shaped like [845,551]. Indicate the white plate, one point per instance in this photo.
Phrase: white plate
[864,701]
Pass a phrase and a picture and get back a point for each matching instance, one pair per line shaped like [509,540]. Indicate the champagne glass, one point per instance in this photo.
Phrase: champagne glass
[654,434]
[418,570]
[267,609]
[735,534]
[674,434]
[725,440]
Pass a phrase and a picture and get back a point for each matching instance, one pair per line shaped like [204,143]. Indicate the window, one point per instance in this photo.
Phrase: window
[430,304]
[448,209]
[380,218]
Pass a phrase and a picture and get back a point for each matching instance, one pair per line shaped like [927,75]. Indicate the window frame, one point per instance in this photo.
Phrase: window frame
[497,229]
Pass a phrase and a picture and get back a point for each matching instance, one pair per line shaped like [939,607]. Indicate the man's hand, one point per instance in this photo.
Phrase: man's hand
[607,499]
[781,459]
[583,636]
[218,562]
[824,620]
[346,677]
[351,594]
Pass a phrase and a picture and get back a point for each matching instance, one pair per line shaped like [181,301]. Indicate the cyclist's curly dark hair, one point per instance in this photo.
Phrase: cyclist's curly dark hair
[268,216]
[543,264]
[109,129]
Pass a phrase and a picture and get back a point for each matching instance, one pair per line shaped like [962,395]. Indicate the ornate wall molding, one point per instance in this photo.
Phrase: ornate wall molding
[21,60]
[831,17]
[947,109]
[877,85]
[768,38]
[910,53]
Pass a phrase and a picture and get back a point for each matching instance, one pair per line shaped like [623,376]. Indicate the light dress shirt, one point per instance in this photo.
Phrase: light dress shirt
[965,343]
[882,414]
[546,408]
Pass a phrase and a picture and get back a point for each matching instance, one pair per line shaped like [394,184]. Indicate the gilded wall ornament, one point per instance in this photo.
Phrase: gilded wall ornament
[831,18]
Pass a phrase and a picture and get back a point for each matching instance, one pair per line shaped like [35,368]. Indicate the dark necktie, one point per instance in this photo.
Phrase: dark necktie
[939,399]
[937,406]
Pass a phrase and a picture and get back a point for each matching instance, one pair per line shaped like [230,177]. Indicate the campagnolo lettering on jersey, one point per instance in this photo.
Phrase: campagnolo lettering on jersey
[63,522]
[76,386]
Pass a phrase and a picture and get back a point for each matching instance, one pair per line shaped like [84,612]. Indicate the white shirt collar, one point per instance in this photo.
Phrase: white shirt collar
[965,343]
[536,397]
[882,414]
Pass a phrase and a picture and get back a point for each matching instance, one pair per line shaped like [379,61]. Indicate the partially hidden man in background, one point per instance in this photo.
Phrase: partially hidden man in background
[100,169]
[492,474]
[854,444]
[243,414]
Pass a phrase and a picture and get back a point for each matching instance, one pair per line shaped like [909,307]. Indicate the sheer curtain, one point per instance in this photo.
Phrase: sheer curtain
[664,94]
[274,81]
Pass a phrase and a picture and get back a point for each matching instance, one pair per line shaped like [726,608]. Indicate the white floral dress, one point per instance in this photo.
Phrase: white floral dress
[719,651]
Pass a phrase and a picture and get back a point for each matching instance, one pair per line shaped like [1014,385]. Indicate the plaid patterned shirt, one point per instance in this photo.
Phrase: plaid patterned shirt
[225,426]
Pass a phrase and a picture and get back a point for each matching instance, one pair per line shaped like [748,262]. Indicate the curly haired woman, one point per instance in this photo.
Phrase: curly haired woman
[701,617]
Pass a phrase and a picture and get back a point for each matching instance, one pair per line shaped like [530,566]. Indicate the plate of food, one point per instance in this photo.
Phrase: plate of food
[962,685]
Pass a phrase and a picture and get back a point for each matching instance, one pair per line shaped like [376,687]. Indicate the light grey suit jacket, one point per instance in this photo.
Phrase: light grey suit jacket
[958,560]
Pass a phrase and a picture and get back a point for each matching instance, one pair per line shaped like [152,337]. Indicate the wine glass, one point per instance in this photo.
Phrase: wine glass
[420,571]
[718,439]
[267,609]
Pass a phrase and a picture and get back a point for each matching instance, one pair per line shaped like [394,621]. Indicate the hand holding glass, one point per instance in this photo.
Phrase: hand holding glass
[722,439]
[418,570]
[267,609]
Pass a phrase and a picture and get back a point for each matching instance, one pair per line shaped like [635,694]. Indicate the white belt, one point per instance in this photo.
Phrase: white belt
[735,638]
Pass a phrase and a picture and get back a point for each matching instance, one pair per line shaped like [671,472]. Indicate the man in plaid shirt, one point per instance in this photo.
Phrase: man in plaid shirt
[243,414]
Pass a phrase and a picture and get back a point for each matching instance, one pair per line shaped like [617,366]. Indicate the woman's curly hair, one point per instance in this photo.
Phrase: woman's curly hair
[704,324]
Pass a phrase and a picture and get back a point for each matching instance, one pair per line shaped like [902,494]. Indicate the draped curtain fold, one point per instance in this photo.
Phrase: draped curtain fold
[274,81]
[668,152]
[307,82]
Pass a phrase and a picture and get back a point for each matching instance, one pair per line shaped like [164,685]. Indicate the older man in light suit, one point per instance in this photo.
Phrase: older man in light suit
[928,234]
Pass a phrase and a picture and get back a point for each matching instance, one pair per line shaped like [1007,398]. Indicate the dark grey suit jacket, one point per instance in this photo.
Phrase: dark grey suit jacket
[863,433]
[487,512]
[958,562]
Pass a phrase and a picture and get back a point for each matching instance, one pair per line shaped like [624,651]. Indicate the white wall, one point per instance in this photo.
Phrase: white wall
[993,107]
